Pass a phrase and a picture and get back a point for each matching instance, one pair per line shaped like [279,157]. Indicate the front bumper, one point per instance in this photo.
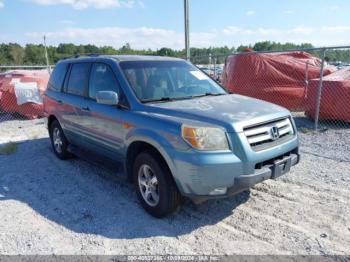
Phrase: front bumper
[270,171]
[198,174]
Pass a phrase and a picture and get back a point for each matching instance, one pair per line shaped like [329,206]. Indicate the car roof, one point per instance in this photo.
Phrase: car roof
[118,58]
[144,58]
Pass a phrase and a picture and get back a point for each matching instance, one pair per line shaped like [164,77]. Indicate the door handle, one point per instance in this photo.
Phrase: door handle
[59,101]
[85,108]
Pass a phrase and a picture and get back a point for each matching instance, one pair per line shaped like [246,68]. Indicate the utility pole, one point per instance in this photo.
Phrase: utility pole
[46,56]
[187,31]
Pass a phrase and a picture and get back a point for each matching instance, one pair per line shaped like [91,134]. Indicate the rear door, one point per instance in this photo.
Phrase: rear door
[74,102]
[53,99]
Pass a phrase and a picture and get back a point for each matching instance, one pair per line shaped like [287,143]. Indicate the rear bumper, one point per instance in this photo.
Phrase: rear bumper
[244,182]
[46,122]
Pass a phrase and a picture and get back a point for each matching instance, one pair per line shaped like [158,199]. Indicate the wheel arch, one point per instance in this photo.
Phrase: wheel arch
[50,119]
[138,146]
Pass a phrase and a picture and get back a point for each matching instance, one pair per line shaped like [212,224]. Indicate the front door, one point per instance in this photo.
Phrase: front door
[104,123]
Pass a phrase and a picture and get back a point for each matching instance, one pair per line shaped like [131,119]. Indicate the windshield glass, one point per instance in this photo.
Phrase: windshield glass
[168,80]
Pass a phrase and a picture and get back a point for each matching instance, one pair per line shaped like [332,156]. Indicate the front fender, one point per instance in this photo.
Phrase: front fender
[162,142]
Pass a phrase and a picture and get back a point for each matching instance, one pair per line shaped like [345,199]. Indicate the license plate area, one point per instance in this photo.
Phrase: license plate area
[280,167]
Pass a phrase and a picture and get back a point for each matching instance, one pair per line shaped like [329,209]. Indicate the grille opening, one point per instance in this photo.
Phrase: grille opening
[268,141]
[271,161]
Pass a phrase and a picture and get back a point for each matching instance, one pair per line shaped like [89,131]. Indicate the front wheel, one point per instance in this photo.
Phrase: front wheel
[155,186]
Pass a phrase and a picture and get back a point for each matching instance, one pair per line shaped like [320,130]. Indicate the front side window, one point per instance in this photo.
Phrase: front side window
[78,79]
[102,79]
[167,80]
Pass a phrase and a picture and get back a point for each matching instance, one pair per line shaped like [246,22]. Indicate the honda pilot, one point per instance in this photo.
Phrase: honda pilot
[175,131]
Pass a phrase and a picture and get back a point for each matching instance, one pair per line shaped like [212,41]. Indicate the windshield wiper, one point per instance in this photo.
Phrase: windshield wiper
[215,94]
[210,94]
[163,99]
[169,99]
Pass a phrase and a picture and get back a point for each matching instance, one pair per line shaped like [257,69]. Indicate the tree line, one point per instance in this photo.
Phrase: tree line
[34,54]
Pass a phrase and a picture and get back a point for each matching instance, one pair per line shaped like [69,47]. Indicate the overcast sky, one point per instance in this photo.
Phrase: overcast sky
[159,23]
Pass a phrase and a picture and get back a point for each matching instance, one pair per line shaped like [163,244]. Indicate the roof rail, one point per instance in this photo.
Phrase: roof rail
[82,55]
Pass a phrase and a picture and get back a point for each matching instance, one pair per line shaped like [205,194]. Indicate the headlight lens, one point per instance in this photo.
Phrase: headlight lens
[205,138]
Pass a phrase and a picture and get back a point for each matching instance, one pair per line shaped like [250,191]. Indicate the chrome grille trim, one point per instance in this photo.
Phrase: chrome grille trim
[262,134]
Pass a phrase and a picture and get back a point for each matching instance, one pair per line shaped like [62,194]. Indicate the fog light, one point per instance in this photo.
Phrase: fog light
[218,191]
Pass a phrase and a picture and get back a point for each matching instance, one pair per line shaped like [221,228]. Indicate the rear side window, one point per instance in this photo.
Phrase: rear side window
[102,79]
[57,77]
[78,79]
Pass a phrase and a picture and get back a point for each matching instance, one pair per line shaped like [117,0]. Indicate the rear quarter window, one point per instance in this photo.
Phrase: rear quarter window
[57,77]
[78,79]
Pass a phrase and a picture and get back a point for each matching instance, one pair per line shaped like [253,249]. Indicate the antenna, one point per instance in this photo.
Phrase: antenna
[187,30]
[46,56]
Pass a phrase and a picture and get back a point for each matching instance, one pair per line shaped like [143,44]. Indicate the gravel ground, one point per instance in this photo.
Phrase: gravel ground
[72,207]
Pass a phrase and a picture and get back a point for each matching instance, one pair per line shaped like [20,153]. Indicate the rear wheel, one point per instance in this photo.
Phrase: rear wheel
[155,186]
[58,141]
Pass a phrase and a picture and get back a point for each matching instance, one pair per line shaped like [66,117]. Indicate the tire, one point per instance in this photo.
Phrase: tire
[58,141]
[169,197]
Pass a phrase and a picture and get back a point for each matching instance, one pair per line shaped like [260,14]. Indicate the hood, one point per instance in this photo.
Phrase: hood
[233,112]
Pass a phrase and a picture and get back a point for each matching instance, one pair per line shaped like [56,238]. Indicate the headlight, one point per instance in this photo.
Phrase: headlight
[205,138]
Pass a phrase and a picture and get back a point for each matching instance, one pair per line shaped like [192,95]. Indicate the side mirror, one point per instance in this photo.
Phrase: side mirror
[107,98]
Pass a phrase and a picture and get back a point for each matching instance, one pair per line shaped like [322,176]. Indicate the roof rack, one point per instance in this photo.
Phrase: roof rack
[82,55]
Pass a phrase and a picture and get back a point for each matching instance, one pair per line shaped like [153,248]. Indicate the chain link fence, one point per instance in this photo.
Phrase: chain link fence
[314,84]
[21,107]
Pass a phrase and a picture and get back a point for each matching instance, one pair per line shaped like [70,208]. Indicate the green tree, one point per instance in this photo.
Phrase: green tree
[13,53]
[243,47]
[34,54]
[16,53]
[68,49]
[108,50]
[125,49]
[91,49]
[5,57]
[166,52]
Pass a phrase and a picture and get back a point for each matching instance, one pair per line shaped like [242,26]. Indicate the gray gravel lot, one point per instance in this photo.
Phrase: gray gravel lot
[73,207]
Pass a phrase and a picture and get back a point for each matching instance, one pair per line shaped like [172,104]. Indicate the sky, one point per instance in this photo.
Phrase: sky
[159,23]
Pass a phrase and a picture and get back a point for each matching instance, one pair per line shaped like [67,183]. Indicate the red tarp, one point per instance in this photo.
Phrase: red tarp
[275,77]
[335,98]
[22,79]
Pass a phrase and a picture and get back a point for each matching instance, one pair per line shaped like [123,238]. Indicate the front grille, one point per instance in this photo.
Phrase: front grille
[269,134]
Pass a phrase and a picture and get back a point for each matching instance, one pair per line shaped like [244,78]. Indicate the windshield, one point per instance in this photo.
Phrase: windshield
[168,80]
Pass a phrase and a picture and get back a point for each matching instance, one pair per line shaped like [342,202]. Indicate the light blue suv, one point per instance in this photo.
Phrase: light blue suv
[176,132]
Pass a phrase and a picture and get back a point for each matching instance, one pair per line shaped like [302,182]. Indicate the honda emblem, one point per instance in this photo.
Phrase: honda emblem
[275,133]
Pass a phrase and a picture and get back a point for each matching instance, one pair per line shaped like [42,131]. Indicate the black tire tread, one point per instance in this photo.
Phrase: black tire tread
[174,197]
[65,153]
